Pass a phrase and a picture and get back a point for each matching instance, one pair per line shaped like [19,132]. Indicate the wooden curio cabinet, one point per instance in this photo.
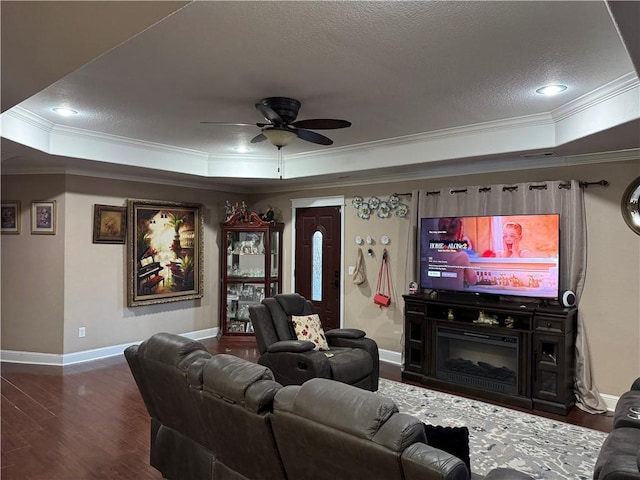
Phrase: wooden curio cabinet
[251,266]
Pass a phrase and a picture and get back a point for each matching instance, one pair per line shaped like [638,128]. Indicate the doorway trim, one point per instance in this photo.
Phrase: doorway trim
[337,201]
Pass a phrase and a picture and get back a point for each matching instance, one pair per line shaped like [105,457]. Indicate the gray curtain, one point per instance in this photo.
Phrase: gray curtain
[411,260]
[563,197]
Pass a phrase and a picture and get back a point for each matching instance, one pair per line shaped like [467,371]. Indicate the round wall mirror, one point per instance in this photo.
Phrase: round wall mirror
[630,205]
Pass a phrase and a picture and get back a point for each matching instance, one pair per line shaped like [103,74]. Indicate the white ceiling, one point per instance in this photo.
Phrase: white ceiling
[428,86]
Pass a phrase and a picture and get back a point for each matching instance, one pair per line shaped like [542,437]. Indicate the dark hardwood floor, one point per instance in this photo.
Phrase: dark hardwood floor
[87,421]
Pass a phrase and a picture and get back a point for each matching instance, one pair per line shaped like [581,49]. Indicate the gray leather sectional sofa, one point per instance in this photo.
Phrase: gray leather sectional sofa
[222,417]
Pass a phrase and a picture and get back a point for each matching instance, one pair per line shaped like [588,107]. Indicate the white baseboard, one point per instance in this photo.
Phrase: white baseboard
[610,400]
[61,360]
[390,357]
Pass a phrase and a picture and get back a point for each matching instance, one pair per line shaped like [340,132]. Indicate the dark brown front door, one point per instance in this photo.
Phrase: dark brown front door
[318,259]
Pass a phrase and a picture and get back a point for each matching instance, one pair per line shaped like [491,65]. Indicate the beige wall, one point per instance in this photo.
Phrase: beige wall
[51,285]
[33,270]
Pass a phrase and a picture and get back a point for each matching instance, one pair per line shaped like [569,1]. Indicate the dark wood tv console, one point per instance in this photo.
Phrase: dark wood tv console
[521,354]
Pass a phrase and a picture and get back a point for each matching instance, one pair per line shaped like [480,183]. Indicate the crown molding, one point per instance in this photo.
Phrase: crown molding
[422,155]
[435,170]
[600,95]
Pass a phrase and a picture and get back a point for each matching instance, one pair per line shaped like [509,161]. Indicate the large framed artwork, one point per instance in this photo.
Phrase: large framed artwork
[109,224]
[164,252]
[11,216]
[43,217]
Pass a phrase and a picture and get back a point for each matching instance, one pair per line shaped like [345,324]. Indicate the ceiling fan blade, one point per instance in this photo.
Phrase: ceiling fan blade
[321,123]
[231,124]
[313,137]
[269,114]
[258,138]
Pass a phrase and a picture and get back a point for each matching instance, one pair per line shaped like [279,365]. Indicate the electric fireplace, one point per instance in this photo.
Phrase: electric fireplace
[483,360]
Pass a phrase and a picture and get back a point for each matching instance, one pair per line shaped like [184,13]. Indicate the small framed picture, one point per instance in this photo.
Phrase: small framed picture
[11,217]
[109,224]
[43,218]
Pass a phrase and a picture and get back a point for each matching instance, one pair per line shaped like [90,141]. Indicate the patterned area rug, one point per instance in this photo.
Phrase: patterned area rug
[502,437]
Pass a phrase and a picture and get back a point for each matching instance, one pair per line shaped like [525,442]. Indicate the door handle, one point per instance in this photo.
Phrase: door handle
[336,282]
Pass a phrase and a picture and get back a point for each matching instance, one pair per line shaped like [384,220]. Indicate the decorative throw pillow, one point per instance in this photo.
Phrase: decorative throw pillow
[308,327]
[453,440]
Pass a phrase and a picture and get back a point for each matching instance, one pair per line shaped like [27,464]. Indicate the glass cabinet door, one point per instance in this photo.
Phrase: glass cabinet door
[245,255]
[275,253]
[240,296]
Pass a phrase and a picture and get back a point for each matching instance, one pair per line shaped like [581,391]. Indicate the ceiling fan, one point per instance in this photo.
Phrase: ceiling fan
[282,127]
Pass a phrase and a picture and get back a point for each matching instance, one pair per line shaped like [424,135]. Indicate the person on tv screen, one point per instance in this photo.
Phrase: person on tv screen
[511,238]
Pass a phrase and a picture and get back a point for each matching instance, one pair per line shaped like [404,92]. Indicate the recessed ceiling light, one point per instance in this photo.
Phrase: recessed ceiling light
[241,149]
[551,89]
[65,112]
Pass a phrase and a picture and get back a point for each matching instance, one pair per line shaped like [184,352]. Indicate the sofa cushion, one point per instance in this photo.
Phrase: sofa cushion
[293,303]
[309,328]
[172,349]
[350,365]
[339,406]
[230,377]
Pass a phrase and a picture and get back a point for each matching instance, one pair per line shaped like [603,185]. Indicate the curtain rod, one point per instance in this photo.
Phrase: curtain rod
[543,186]
[602,183]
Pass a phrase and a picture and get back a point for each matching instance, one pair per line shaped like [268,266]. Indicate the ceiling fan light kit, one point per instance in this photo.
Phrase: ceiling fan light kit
[281,127]
[279,137]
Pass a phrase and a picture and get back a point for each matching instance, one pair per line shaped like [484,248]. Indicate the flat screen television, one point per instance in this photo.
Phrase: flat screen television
[514,255]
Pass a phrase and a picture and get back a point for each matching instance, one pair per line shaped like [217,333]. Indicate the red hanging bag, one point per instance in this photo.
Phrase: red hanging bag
[383,289]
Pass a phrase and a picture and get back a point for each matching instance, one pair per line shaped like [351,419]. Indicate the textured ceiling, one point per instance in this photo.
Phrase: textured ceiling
[404,73]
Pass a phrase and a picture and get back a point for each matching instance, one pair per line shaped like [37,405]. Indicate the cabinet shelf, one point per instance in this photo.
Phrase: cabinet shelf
[251,248]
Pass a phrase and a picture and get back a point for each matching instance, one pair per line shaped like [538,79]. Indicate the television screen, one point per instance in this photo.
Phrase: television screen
[498,254]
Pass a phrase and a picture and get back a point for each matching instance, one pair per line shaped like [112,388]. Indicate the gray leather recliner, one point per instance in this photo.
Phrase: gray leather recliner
[159,366]
[327,430]
[353,358]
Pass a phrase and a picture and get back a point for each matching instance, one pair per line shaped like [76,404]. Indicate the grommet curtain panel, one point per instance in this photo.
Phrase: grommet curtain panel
[558,196]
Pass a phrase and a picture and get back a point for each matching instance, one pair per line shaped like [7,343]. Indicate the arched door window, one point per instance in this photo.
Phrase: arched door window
[316,267]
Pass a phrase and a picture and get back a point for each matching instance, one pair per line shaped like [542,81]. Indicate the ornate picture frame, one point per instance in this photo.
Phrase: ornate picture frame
[43,217]
[164,251]
[109,224]
[10,217]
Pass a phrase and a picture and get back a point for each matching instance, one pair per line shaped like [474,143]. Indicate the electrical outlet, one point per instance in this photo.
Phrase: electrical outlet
[81,332]
[352,269]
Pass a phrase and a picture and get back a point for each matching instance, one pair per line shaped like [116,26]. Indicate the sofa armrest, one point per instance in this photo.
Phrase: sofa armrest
[424,462]
[364,343]
[297,367]
[353,333]
[295,346]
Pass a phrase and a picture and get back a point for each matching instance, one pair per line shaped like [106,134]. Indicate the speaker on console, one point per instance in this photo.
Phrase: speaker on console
[568,298]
